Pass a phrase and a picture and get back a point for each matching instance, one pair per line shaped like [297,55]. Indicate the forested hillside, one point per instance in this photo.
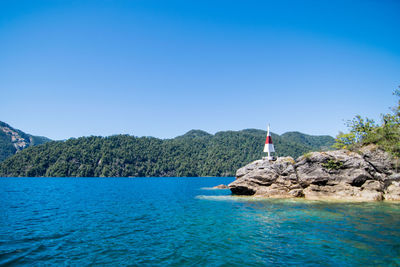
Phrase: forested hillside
[196,153]
[13,140]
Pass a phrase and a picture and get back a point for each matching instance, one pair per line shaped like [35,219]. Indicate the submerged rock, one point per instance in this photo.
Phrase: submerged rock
[369,175]
[221,186]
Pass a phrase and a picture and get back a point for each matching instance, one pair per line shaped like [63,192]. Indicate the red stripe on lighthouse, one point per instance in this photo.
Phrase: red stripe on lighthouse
[268,140]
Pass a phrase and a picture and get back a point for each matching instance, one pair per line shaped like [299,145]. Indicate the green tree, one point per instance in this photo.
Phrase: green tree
[363,131]
[344,140]
[361,127]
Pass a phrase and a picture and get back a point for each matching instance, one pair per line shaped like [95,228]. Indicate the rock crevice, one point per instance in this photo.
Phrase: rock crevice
[344,175]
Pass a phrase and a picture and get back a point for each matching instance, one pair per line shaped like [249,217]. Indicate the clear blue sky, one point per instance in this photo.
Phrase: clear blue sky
[161,68]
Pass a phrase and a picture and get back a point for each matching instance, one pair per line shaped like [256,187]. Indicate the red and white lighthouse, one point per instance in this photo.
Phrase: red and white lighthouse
[269,146]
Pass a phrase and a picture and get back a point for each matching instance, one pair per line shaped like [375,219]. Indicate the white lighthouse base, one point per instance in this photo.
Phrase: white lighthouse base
[270,158]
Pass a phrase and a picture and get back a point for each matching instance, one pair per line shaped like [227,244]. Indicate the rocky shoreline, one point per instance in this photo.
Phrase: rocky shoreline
[368,175]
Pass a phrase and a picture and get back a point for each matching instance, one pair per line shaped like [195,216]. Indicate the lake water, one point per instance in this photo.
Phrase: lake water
[176,221]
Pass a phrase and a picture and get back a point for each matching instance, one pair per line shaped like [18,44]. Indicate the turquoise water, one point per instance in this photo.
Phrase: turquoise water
[177,221]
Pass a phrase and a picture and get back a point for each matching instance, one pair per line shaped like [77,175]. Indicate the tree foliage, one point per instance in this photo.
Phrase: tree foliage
[344,140]
[363,131]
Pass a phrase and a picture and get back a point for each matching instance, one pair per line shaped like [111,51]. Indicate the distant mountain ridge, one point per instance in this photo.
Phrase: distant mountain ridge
[13,140]
[196,153]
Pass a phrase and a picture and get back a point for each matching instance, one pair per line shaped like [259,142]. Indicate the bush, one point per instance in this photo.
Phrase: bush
[332,164]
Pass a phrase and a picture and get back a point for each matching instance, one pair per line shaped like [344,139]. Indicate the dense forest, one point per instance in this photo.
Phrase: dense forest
[13,140]
[197,153]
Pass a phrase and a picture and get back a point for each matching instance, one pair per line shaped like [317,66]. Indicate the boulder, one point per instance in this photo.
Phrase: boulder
[368,175]
[267,178]
[391,187]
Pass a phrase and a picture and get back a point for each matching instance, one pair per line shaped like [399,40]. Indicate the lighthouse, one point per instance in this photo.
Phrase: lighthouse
[269,146]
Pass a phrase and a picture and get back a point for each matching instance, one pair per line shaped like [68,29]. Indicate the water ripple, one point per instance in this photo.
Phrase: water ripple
[160,222]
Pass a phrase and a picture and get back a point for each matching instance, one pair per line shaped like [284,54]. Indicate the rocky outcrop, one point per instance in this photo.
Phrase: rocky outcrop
[368,175]
[17,140]
[14,140]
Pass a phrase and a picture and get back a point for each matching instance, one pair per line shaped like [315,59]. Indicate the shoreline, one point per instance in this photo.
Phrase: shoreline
[295,199]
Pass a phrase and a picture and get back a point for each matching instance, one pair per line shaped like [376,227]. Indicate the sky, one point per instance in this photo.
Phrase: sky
[161,68]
